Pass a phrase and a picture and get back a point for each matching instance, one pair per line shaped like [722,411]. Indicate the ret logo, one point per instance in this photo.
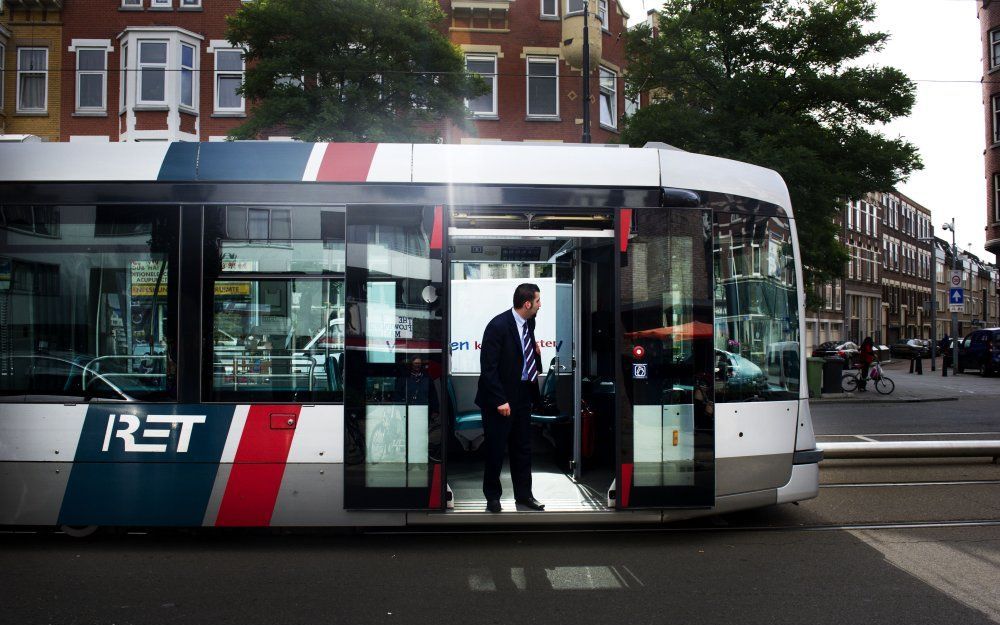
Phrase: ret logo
[128,427]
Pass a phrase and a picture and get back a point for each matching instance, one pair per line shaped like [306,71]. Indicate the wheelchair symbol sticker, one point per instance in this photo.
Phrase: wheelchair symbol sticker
[639,371]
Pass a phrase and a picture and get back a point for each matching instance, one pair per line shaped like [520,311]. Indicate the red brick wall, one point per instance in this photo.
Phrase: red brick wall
[104,19]
[528,30]
[989,19]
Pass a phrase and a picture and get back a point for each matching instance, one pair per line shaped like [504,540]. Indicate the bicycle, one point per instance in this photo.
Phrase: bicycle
[883,384]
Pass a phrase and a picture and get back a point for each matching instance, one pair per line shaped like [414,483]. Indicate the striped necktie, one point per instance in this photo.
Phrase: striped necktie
[530,372]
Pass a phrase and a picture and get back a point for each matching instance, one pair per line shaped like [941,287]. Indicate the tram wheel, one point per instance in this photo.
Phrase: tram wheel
[79,531]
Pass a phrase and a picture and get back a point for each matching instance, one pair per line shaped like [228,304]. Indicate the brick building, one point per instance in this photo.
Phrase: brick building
[907,262]
[161,70]
[149,70]
[31,76]
[535,93]
[989,25]
[862,292]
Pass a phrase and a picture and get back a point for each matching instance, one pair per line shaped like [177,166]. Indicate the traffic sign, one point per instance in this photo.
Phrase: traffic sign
[956,277]
[956,300]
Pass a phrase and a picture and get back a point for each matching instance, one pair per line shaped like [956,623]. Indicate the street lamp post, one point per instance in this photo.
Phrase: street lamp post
[954,314]
[586,74]
[933,296]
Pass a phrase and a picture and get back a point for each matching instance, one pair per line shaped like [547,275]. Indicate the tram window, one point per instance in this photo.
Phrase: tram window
[756,310]
[86,302]
[276,337]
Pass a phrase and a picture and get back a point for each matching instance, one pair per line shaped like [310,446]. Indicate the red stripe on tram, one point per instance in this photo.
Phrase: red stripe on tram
[437,236]
[625,225]
[626,488]
[346,162]
[252,489]
[435,498]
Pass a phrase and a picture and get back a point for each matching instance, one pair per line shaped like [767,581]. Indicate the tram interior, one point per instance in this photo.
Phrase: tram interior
[573,459]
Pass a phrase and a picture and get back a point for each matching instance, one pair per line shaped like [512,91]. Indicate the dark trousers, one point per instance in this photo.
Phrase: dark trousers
[513,435]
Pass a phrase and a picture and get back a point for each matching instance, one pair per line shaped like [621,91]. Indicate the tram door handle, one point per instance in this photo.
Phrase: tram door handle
[283,421]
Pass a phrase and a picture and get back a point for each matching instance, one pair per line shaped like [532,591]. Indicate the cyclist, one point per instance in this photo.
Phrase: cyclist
[867,357]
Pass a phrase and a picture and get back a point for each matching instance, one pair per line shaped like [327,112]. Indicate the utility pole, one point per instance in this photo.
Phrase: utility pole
[933,295]
[954,314]
[586,73]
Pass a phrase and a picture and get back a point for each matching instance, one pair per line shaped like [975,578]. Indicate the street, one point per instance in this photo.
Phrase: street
[887,541]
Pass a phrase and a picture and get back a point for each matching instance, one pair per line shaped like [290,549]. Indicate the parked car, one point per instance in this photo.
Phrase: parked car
[911,348]
[844,349]
[980,350]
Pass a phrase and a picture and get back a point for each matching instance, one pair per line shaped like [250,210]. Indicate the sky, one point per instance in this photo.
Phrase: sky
[937,44]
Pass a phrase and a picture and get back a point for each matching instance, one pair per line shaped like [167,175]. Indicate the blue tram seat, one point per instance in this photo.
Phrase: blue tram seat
[468,425]
[549,398]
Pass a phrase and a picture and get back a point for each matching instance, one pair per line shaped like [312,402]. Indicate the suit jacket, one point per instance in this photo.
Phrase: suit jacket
[501,361]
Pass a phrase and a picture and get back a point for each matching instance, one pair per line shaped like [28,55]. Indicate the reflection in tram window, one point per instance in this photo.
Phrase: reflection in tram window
[394,351]
[277,338]
[665,305]
[756,309]
[86,301]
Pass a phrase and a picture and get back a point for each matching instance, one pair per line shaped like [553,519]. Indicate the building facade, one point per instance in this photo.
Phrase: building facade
[989,25]
[536,93]
[907,263]
[862,292]
[979,280]
[31,76]
[161,70]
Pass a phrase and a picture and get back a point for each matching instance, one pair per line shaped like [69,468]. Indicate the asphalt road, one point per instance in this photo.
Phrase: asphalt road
[887,541]
[968,414]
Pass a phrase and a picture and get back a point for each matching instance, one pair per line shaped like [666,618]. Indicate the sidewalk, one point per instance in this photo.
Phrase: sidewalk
[929,387]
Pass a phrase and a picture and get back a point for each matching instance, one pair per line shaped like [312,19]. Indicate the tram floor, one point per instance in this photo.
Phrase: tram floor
[550,485]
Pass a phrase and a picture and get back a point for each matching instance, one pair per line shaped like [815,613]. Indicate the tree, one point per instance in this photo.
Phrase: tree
[777,83]
[349,70]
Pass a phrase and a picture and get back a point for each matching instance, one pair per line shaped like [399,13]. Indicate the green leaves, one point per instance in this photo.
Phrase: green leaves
[776,83]
[350,70]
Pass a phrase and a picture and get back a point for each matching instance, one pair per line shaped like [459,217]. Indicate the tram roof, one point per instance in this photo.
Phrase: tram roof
[493,164]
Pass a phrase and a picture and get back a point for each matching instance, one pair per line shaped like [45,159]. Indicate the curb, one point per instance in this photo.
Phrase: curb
[848,400]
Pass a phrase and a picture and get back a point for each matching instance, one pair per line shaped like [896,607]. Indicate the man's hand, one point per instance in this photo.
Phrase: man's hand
[504,410]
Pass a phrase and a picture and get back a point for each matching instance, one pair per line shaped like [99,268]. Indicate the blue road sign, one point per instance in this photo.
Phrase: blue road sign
[956,296]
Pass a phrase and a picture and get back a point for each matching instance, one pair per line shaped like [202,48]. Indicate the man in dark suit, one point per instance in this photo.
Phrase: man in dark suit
[509,364]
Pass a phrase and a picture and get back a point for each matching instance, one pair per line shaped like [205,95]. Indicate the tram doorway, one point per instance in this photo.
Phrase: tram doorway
[574,424]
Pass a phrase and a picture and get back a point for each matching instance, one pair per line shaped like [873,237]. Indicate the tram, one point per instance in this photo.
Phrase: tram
[288,334]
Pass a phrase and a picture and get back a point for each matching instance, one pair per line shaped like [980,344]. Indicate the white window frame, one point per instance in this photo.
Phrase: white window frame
[219,73]
[570,11]
[996,197]
[91,45]
[190,4]
[161,4]
[601,72]
[128,4]
[194,76]
[995,48]
[541,9]
[493,79]
[602,13]
[554,60]
[123,78]
[139,65]
[995,99]
[45,98]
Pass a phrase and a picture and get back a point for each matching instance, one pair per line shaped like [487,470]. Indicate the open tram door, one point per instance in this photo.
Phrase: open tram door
[664,343]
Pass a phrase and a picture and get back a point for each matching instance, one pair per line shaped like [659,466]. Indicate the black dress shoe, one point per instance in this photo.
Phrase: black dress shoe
[531,503]
[493,505]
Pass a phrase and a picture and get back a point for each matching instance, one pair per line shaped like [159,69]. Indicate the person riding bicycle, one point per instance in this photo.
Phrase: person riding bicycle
[867,356]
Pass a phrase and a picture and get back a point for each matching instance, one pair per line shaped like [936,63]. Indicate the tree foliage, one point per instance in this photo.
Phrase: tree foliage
[778,83]
[350,70]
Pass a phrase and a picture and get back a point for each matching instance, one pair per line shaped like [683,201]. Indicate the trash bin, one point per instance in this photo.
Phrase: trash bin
[833,371]
[814,376]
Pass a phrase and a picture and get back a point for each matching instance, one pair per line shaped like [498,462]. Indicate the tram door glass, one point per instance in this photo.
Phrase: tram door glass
[666,411]
[393,359]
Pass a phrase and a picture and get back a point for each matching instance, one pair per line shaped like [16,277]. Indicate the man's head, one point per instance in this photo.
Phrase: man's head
[527,300]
